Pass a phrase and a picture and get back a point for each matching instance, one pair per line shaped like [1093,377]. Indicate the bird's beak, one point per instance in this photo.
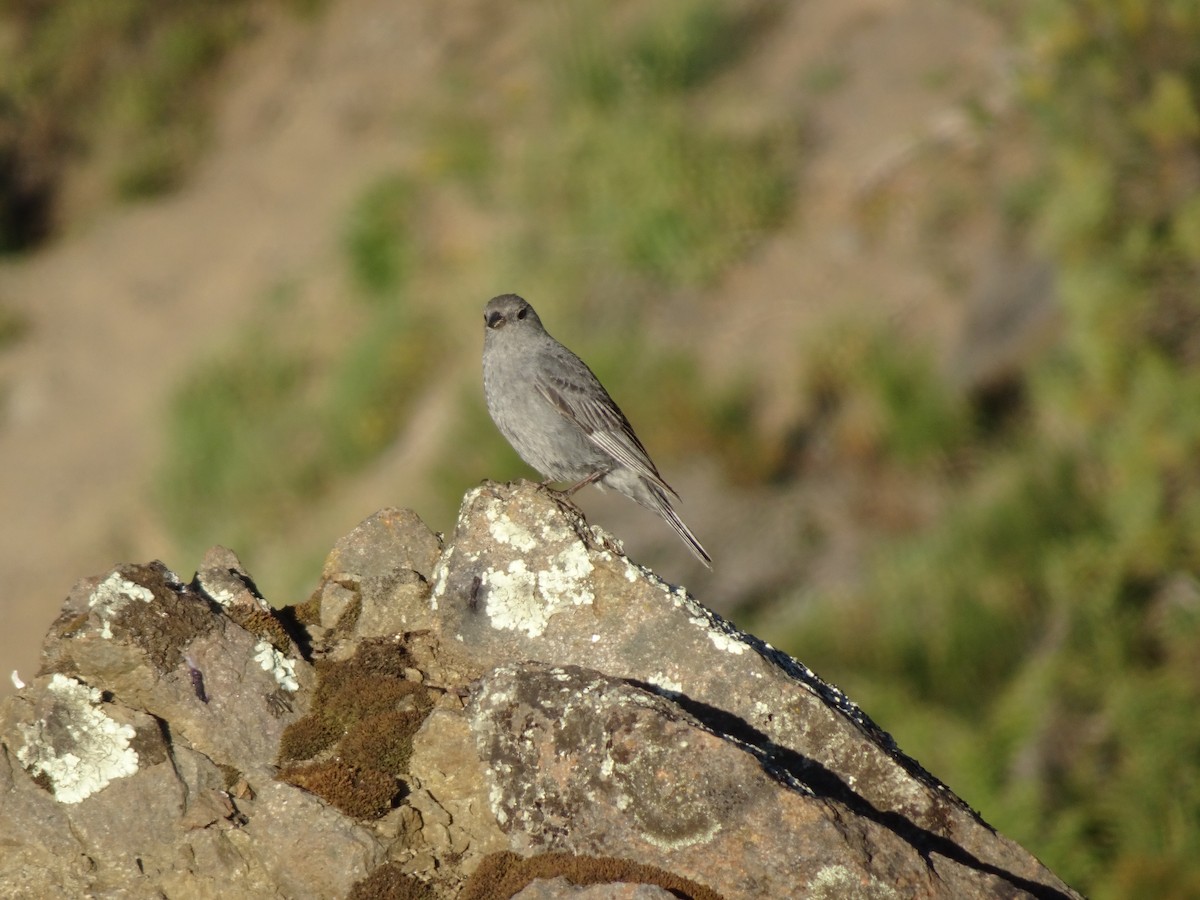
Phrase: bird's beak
[495,320]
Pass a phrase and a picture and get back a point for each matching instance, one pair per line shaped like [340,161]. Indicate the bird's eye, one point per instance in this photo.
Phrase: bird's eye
[521,312]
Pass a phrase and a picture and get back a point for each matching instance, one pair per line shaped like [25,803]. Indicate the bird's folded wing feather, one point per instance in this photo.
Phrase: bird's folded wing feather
[603,423]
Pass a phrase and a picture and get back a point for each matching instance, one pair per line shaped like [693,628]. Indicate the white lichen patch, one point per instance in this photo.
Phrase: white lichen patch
[282,669]
[441,574]
[635,573]
[660,679]
[115,591]
[682,842]
[496,802]
[726,643]
[840,882]
[512,602]
[222,596]
[505,531]
[112,594]
[519,599]
[724,637]
[566,578]
[78,747]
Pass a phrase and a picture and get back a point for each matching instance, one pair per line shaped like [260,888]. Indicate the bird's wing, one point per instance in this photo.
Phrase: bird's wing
[583,400]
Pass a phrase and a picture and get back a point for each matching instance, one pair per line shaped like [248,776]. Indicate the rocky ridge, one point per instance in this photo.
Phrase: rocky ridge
[516,711]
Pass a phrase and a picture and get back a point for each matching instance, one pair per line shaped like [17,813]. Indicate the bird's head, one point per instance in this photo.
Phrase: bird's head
[510,311]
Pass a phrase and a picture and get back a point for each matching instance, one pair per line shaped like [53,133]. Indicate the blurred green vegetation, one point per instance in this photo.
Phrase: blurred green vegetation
[880,399]
[634,172]
[377,241]
[667,50]
[13,326]
[123,81]
[238,447]
[1039,646]
[270,425]
[643,188]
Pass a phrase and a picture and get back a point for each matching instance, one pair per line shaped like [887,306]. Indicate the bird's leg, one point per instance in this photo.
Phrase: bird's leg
[598,474]
[564,497]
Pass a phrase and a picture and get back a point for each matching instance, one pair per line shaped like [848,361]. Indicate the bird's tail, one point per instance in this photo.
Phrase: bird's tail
[663,508]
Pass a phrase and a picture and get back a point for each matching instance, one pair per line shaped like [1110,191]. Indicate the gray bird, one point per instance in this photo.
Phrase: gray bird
[560,419]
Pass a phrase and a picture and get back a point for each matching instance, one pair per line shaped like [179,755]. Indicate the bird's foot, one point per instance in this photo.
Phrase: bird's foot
[563,498]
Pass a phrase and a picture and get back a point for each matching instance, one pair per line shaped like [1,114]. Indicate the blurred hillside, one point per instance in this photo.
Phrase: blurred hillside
[902,297]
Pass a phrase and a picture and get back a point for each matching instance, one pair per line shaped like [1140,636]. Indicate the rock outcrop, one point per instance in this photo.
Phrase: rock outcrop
[519,711]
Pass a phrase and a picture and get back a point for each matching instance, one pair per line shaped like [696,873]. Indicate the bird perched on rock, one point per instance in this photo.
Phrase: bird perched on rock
[560,419]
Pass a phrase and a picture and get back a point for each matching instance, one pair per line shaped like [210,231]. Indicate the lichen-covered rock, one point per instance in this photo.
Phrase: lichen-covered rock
[142,636]
[584,763]
[520,712]
[524,578]
[142,760]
